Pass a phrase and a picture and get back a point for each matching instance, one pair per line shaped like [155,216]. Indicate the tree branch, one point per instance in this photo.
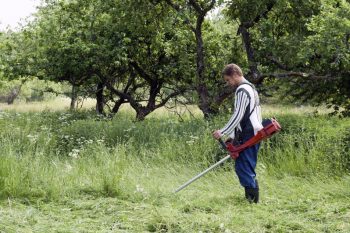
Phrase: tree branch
[250,24]
[123,95]
[164,101]
[141,72]
[196,6]
[279,64]
[223,94]
[130,80]
[300,75]
[211,5]
[177,8]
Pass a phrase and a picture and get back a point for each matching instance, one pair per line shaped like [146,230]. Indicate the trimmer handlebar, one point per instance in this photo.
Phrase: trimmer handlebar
[223,144]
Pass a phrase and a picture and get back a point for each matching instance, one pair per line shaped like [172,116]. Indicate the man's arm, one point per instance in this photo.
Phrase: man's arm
[241,103]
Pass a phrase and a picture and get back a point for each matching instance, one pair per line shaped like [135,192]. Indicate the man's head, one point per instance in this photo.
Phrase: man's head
[233,75]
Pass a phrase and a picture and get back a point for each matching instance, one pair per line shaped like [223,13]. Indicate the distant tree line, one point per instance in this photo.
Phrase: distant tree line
[152,53]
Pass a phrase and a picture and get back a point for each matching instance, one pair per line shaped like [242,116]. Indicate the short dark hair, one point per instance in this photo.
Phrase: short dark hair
[232,69]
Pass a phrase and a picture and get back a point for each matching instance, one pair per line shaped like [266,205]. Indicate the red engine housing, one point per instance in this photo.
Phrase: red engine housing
[269,129]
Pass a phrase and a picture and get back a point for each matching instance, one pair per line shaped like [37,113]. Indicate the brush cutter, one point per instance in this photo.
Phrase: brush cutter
[271,126]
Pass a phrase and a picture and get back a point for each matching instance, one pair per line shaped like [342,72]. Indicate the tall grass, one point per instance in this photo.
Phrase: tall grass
[98,171]
[57,154]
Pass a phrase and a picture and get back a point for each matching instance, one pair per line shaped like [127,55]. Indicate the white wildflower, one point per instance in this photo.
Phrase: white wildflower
[43,127]
[68,167]
[190,142]
[139,189]
[74,153]
[32,138]
[100,141]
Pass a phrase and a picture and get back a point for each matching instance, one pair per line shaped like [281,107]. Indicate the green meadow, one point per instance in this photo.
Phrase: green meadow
[66,171]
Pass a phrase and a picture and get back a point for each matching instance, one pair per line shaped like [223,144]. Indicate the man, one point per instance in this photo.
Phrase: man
[245,122]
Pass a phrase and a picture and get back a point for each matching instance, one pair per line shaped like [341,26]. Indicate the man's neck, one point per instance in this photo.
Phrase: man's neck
[242,80]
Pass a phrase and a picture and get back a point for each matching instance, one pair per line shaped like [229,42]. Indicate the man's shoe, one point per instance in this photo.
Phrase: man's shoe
[252,194]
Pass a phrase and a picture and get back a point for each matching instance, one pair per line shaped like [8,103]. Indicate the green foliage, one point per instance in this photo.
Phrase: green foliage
[305,43]
[280,35]
[311,37]
[33,89]
[327,51]
[245,10]
[222,46]
[143,51]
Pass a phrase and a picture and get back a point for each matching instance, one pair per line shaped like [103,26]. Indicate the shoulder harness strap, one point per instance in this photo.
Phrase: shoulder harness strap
[257,101]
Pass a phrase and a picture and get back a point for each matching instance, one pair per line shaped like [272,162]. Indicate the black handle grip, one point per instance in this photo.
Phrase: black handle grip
[223,144]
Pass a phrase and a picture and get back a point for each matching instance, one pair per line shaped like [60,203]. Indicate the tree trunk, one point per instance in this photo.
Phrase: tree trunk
[254,74]
[202,90]
[13,94]
[100,98]
[117,105]
[74,97]
[201,87]
[142,112]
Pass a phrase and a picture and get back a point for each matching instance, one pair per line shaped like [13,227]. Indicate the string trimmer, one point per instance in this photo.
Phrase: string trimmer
[271,126]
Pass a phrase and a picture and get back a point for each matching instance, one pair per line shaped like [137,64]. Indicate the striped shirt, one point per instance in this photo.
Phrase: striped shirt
[247,112]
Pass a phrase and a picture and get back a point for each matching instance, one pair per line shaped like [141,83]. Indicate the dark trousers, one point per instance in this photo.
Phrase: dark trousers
[245,166]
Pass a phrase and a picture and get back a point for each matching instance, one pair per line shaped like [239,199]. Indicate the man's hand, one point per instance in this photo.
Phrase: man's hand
[217,134]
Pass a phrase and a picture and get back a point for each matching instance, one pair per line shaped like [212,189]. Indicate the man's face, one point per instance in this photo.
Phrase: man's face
[232,81]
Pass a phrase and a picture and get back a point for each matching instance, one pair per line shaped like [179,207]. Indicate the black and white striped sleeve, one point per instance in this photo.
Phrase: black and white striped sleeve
[241,103]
